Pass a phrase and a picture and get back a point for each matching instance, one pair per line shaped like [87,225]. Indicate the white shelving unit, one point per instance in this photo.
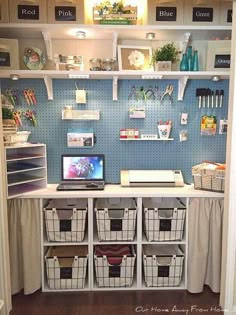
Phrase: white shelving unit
[26,168]
[91,239]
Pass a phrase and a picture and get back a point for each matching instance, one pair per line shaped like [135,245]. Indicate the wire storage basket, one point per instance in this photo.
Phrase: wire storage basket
[164,219]
[116,219]
[163,265]
[66,267]
[209,176]
[114,265]
[65,220]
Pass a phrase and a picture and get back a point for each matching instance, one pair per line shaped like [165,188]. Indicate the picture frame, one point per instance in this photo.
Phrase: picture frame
[133,58]
[218,55]
[80,138]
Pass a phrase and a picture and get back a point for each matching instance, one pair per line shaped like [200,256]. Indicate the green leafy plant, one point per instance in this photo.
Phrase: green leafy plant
[167,52]
[7,113]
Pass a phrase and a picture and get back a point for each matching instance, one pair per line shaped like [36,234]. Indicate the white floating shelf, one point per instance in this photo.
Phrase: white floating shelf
[81,115]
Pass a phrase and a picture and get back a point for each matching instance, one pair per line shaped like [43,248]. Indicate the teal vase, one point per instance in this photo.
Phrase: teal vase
[195,61]
[190,58]
[184,63]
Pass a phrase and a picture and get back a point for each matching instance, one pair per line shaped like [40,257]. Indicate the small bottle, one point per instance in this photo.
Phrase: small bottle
[195,61]
[190,58]
[184,63]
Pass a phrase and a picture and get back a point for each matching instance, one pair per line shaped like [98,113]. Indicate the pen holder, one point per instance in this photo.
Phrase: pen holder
[164,131]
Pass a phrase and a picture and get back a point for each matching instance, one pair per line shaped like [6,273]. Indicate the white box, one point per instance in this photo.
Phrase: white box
[70,11]
[116,219]
[164,219]
[28,11]
[201,12]
[9,54]
[4,11]
[163,265]
[115,275]
[226,12]
[137,113]
[65,220]
[66,267]
[165,12]
[218,55]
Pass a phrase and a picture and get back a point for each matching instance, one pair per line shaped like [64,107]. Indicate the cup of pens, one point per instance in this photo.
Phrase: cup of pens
[164,128]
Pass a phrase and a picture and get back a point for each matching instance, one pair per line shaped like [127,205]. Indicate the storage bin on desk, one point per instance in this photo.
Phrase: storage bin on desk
[66,267]
[116,219]
[65,219]
[163,265]
[209,182]
[164,219]
[114,265]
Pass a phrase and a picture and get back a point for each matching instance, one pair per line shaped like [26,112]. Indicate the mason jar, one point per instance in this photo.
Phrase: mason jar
[95,64]
[108,64]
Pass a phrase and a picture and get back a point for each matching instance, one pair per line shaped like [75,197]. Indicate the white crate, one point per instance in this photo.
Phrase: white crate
[4,16]
[68,11]
[9,54]
[164,219]
[119,274]
[116,219]
[66,267]
[65,220]
[28,11]
[163,265]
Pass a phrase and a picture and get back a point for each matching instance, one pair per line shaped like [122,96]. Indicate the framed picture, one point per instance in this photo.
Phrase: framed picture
[218,55]
[134,58]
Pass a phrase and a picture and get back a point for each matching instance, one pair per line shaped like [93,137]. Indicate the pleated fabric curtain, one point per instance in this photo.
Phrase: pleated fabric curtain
[24,239]
[205,244]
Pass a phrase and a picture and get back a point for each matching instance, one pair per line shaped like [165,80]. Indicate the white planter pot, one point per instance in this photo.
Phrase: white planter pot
[163,66]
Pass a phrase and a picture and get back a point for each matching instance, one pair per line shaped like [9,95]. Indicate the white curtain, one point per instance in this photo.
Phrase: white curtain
[24,238]
[205,244]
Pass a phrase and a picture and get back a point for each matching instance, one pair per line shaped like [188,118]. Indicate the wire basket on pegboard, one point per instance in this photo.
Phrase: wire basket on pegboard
[116,219]
[114,265]
[164,219]
[65,220]
[163,265]
[66,267]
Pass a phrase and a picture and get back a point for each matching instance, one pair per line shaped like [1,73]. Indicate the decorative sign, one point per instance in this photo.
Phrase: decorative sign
[202,14]
[166,14]
[65,13]
[28,12]
[222,61]
[5,59]
[116,225]
[229,16]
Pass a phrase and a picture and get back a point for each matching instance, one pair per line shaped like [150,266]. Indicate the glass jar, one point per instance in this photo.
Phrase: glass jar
[108,64]
[95,64]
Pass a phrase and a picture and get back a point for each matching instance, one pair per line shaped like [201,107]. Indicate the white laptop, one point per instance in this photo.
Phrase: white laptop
[82,172]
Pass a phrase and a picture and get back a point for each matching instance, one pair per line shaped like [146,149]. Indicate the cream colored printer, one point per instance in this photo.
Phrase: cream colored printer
[151,178]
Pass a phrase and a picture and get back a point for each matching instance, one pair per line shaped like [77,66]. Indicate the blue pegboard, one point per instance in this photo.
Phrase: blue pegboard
[52,130]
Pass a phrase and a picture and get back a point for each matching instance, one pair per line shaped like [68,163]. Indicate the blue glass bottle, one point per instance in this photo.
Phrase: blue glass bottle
[195,61]
[190,58]
[184,63]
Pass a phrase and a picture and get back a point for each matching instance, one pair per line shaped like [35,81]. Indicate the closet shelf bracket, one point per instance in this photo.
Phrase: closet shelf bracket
[181,87]
[115,88]
[114,45]
[49,87]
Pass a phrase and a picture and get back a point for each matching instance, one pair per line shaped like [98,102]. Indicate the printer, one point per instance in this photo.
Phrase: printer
[151,178]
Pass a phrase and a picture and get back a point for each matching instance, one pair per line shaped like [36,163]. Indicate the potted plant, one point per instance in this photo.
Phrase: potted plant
[163,57]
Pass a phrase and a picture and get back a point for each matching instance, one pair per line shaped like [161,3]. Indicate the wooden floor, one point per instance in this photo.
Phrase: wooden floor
[114,303]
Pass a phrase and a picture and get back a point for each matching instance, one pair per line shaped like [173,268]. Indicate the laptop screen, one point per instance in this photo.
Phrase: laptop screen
[76,167]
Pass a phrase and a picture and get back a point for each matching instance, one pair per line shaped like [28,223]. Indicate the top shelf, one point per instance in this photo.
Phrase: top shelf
[96,31]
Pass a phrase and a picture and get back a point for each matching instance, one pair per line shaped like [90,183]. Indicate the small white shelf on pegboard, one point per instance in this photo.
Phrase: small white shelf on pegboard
[140,139]
[80,115]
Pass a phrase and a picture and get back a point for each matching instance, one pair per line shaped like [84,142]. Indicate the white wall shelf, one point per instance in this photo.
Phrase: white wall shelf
[140,139]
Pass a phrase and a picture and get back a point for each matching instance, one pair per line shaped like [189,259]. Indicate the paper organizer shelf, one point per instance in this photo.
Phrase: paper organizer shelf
[81,114]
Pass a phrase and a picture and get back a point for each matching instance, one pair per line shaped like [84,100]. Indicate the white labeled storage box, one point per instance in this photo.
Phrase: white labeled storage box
[201,12]
[66,267]
[28,11]
[9,54]
[4,12]
[163,265]
[114,265]
[164,219]
[116,219]
[208,176]
[65,11]
[165,12]
[65,220]
[218,55]
[226,12]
